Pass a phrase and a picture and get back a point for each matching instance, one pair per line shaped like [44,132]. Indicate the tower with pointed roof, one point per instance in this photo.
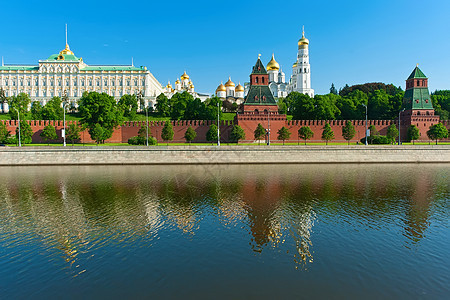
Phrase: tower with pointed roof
[301,70]
[260,106]
[417,108]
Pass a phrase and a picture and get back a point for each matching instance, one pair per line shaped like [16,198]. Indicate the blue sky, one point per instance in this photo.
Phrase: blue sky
[350,42]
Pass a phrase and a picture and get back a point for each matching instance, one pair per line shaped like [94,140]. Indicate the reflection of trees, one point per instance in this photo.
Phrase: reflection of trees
[77,209]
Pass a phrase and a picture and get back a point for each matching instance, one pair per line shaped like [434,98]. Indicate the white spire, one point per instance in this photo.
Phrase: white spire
[132,63]
[2,62]
[66,33]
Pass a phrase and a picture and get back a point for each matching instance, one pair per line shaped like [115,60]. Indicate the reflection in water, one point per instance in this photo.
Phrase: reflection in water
[80,210]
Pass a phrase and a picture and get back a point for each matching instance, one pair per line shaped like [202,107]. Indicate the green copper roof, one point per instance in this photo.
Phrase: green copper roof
[417,98]
[416,73]
[259,68]
[19,68]
[260,95]
[111,68]
[67,57]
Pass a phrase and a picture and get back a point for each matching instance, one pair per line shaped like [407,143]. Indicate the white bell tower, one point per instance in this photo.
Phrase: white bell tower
[301,70]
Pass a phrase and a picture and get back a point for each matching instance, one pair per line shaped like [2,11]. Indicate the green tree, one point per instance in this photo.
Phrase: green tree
[190,135]
[100,109]
[18,103]
[373,130]
[305,133]
[437,132]
[210,112]
[167,132]
[333,89]
[36,110]
[195,110]
[49,133]
[302,106]
[348,131]
[99,134]
[237,133]
[325,107]
[283,134]
[259,133]
[4,133]
[163,105]
[26,133]
[282,106]
[129,106]
[413,133]
[53,110]
[392,133]
[179,103]
[327,133]
[211,134]
[73,132]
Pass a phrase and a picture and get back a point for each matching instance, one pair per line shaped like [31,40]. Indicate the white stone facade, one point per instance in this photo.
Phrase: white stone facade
[64,72]
[301,70]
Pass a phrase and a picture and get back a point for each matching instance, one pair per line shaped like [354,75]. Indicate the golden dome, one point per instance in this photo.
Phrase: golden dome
[273,65]
[221,88]
[229,82]
[294,65]
[169,86]
[239,88]
[184,76]
[178,81]
[303,40]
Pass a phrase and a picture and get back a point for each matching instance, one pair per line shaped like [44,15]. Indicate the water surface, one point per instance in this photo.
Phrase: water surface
[225,232]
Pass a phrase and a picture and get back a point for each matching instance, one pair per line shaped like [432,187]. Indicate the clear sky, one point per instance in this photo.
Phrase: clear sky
[350,41]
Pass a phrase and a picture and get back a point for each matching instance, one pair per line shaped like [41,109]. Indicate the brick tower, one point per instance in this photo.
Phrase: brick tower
[259,106]
[418,109]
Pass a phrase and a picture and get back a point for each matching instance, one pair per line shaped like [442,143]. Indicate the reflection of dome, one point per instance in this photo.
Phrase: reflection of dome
[229,82]
[239,88]
[221,88]
[273,65]
[184,76]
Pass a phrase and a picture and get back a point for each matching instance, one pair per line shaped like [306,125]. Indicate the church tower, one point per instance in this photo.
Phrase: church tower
[417,108]
[301,70]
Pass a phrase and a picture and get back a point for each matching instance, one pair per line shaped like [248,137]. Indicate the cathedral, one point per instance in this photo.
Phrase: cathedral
[65,73]
[183,85]
[301,70]
[230,93]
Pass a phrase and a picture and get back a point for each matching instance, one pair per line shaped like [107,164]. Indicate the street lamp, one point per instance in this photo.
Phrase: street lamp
[146,128]
[399,126]
[64,122]
[366,123]
[268,127]
[218,121]
[18,119]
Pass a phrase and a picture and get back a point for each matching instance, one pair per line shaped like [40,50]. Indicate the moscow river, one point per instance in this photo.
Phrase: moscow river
[226,232]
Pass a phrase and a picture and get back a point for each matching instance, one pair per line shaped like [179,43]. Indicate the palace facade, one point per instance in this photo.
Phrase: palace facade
[65,73]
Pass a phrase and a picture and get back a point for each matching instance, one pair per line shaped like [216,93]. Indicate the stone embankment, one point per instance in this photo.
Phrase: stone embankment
[160,155]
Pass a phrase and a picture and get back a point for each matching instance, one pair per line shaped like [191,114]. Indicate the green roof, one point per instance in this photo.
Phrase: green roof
[417,98]
[259,68]
[111,68]
[19,68]
[416,73]
[260,95]
[67,57]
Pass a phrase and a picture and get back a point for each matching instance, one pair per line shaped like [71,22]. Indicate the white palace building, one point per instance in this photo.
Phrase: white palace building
[64,72]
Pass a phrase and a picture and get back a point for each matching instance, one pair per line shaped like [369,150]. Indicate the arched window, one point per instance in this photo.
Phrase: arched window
[305,70]
[105,82]
[263,80]
[256,79]
[256,112]
[128,82]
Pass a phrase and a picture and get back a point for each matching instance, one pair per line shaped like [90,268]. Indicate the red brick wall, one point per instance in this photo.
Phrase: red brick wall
[248,123]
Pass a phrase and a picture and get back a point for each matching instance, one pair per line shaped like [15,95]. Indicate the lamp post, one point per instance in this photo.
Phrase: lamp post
[268,127]
[399,126]
[64,122]
[18,119]
[366,123]
[218,120]
[146,128]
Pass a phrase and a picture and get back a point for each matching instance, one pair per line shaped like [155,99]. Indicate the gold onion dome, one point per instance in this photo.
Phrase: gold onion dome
[66,50]
[169,86]
[294,65]
[239,88]
[303,40]
[178,81]
[273,65]
[229,82]
[184,76]
[221,88]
